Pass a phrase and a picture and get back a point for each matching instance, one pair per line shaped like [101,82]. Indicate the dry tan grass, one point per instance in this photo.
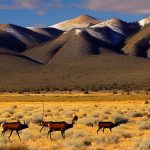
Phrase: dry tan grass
[83,136]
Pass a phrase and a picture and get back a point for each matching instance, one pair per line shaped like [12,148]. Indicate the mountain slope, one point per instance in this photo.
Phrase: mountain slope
[119,26]
[139,44]
[69,45]
[85,72]
[72,44]
[83,57]
[83,41]
[79,44]
[46,51]
[18,38]
[79,22]
[50,32]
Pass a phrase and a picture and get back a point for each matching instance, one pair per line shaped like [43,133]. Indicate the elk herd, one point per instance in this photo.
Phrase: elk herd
[53,126]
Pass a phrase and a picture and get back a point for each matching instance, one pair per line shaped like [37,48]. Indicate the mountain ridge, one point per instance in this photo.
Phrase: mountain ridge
[109,54]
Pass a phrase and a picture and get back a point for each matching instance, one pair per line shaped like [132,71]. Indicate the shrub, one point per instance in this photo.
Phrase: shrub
[112,139]
[95,115]
[115,92]
[9,110]
[78,134]
[126,134]
[120,119]
[7,115]
[19,115]
[137,114]
[99,139]
[144,125]
[86,92]
[74,144]
[29,108]
[84,115]
[89,121]
[13,107]
[142,144]
[104,117]
[87,141]
[107,111]
[69,114]
[60,109]
[146,92]
[89,124]
[37,118]
[146,102]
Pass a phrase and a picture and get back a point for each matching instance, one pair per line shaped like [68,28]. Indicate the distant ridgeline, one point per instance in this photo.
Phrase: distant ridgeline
[83,53]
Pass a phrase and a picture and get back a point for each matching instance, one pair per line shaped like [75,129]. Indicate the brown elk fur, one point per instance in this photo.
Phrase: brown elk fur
[59,126]
[13,126]
[104,125]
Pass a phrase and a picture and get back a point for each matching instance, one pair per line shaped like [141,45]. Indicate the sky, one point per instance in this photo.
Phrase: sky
[48,12]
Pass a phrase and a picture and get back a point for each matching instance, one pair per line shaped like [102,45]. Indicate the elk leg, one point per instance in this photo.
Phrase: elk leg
[10,135]
[103,130]
[48,133]
[64,134]
[3,132]
[18,135]
[41,128]
[98,130]
[110,129]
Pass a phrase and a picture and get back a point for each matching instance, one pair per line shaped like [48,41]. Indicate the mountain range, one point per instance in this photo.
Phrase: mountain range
[83,52]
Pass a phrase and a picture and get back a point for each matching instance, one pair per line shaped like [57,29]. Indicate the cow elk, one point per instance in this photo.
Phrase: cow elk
[104,125]
[13,126]
[59,126]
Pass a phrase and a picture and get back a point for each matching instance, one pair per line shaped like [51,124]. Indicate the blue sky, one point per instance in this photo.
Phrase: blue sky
[48,12]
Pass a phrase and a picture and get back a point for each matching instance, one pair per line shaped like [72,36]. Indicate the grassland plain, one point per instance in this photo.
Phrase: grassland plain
[134,134]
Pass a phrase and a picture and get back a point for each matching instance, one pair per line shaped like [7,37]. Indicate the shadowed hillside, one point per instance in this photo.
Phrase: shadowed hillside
[84,57]
[18,38]
[105,71]
[50,32]
[139,43]
[75,43]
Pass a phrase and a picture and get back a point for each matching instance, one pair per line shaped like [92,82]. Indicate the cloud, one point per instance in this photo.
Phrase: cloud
[42,6]
[39,6]
[130,6]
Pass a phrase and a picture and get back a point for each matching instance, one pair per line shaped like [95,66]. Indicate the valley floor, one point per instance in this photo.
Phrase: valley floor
[90,108]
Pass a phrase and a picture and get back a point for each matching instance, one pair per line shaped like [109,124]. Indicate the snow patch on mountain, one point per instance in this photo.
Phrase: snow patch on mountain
[18,35]
[98,35]
[78,31]
[144,22]
[110,24]
[59,25]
